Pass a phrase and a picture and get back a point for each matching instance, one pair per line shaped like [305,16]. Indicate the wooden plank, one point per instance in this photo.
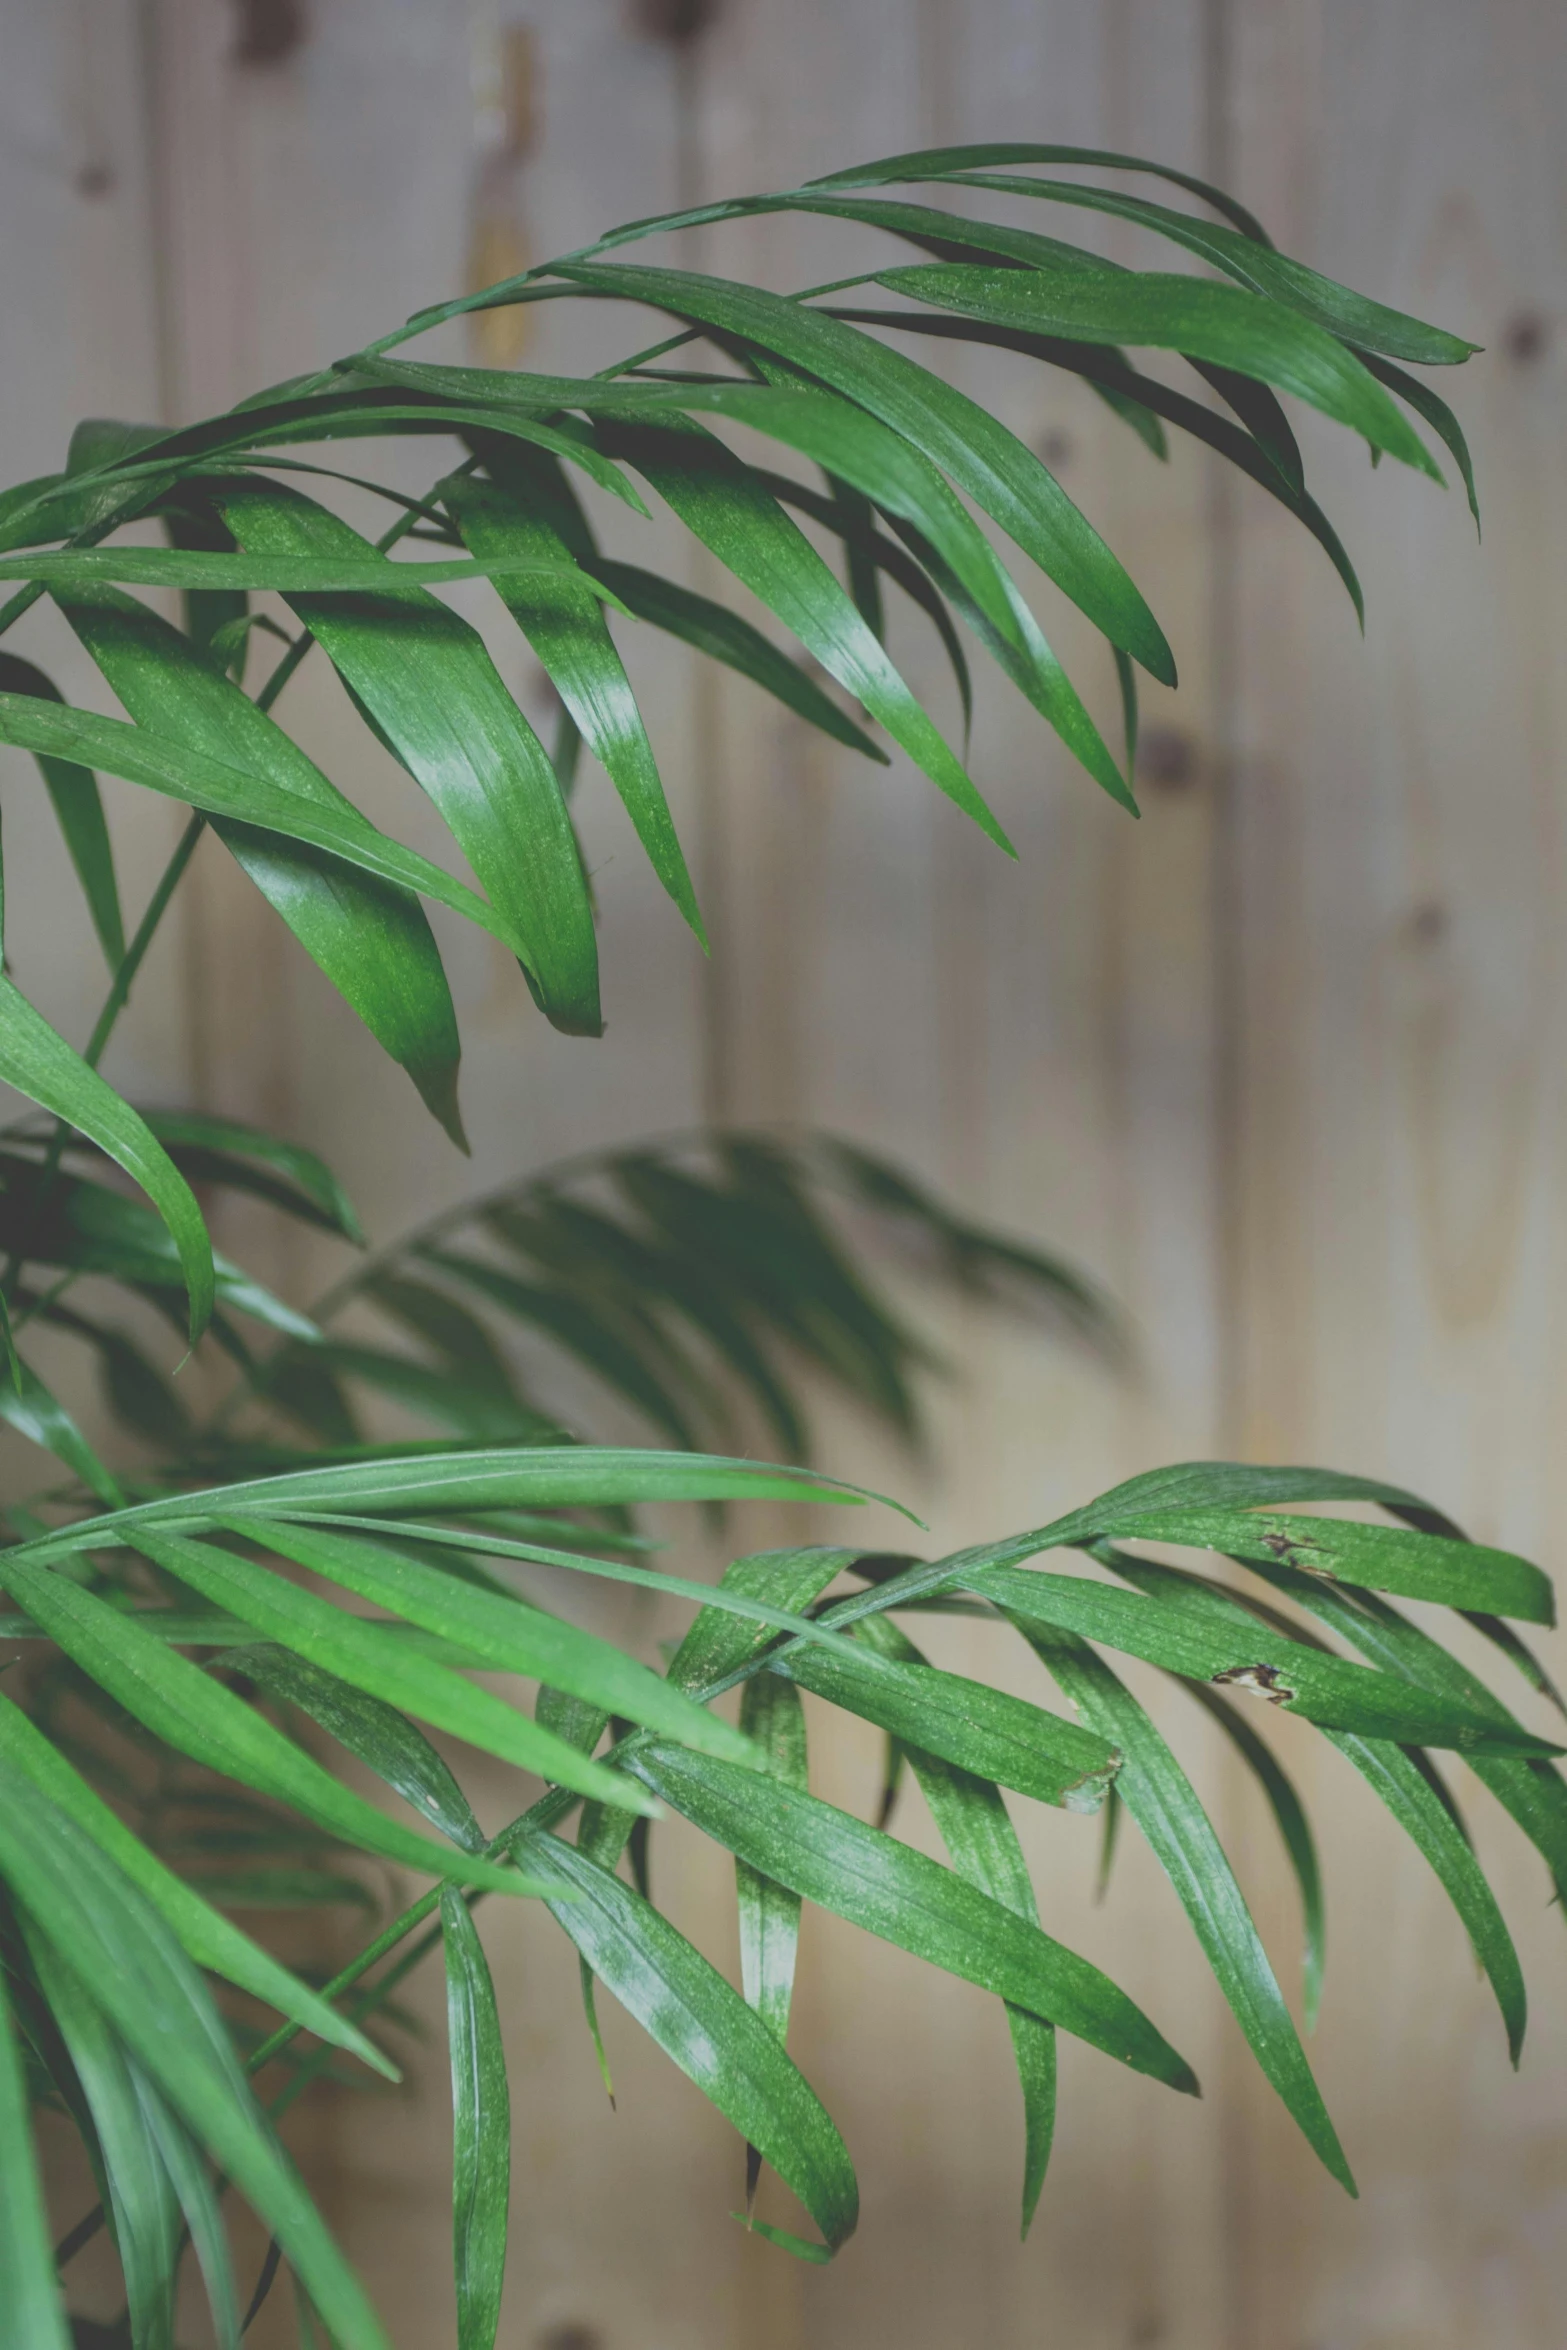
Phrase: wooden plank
[349,178]
[1398,1130]
[304,202]
[1036,1038]
[1375,1192]
[80,300]
[873,901]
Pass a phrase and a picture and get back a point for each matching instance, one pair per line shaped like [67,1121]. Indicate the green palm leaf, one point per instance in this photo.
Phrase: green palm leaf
[699,1283]
[141,1980]
[481,2129]
[32,2316]
[1163,1802]
[707,2029]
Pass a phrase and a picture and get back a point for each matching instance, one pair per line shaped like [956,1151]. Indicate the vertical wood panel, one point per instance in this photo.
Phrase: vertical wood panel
[1401,1150]
[79,318]
[1345,1122]
[1035,1037]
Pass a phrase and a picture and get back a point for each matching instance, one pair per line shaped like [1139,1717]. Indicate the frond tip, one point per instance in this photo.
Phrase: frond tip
[174,1626]
[853,455]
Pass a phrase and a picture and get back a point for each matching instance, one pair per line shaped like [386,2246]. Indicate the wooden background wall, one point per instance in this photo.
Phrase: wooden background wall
[1284,1065]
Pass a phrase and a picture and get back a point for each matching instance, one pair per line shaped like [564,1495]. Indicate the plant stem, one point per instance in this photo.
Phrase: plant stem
[158,905]
[103,1028]
[556,1805]
[135,954]
[551,1808]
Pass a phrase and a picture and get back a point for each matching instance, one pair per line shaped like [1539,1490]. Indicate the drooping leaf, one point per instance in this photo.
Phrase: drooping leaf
[1236,1485]
[1107,373]
[1402,1777]
[206,1937]
[1324,1689]
[192,1713]
[726,637]
[723,505]
[1294,1830]
[32,2316]
[196,2191]
[703,2024]
[373,942]
[29,1407]
[981,456]
[434,693]
[1426,1818]
[1224,324]
[146,1987]
[1247,256]
[563,620]
[1439,416]
[1163,1802]
[831,1858]
[384,1740]
[772,1716]
[41,1065]
[78,808]
[1529,1787]
[1385,1558]
[481,2129]
[984,1731]
[362,1654]
[72,1222]
[869,553]
[162,764]
[247,1157]
[972,1819]
[145,2212]
[1033,669]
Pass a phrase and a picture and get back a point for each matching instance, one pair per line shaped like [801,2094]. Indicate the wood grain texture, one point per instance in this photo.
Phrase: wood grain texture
[1036,1035]
[1283,1065]
[1397,1154]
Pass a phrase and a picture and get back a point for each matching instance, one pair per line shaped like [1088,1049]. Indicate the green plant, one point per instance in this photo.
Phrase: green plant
[119,1582]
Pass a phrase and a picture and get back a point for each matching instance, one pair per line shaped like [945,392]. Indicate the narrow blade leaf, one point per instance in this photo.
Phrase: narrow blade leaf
[32,2316]
[702,2023]
[78,808]
[481,2129]
[1163,1802]
[41,1065]
[833,1859]
[429,684]
[205,1936]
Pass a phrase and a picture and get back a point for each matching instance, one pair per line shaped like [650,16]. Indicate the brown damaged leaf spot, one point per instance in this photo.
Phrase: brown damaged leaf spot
[1088,1793]
[1292,1550]
[1262,1680]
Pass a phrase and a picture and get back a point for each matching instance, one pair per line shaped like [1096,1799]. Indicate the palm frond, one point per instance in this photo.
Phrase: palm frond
[180,1622]
[899,449]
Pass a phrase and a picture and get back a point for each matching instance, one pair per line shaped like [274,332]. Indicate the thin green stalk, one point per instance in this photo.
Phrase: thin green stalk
[551,1808]
[135,954]
[113,1005]
[158,905]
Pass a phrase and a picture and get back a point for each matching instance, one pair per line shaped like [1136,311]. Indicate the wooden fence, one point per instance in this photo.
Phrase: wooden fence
[1284,1064]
